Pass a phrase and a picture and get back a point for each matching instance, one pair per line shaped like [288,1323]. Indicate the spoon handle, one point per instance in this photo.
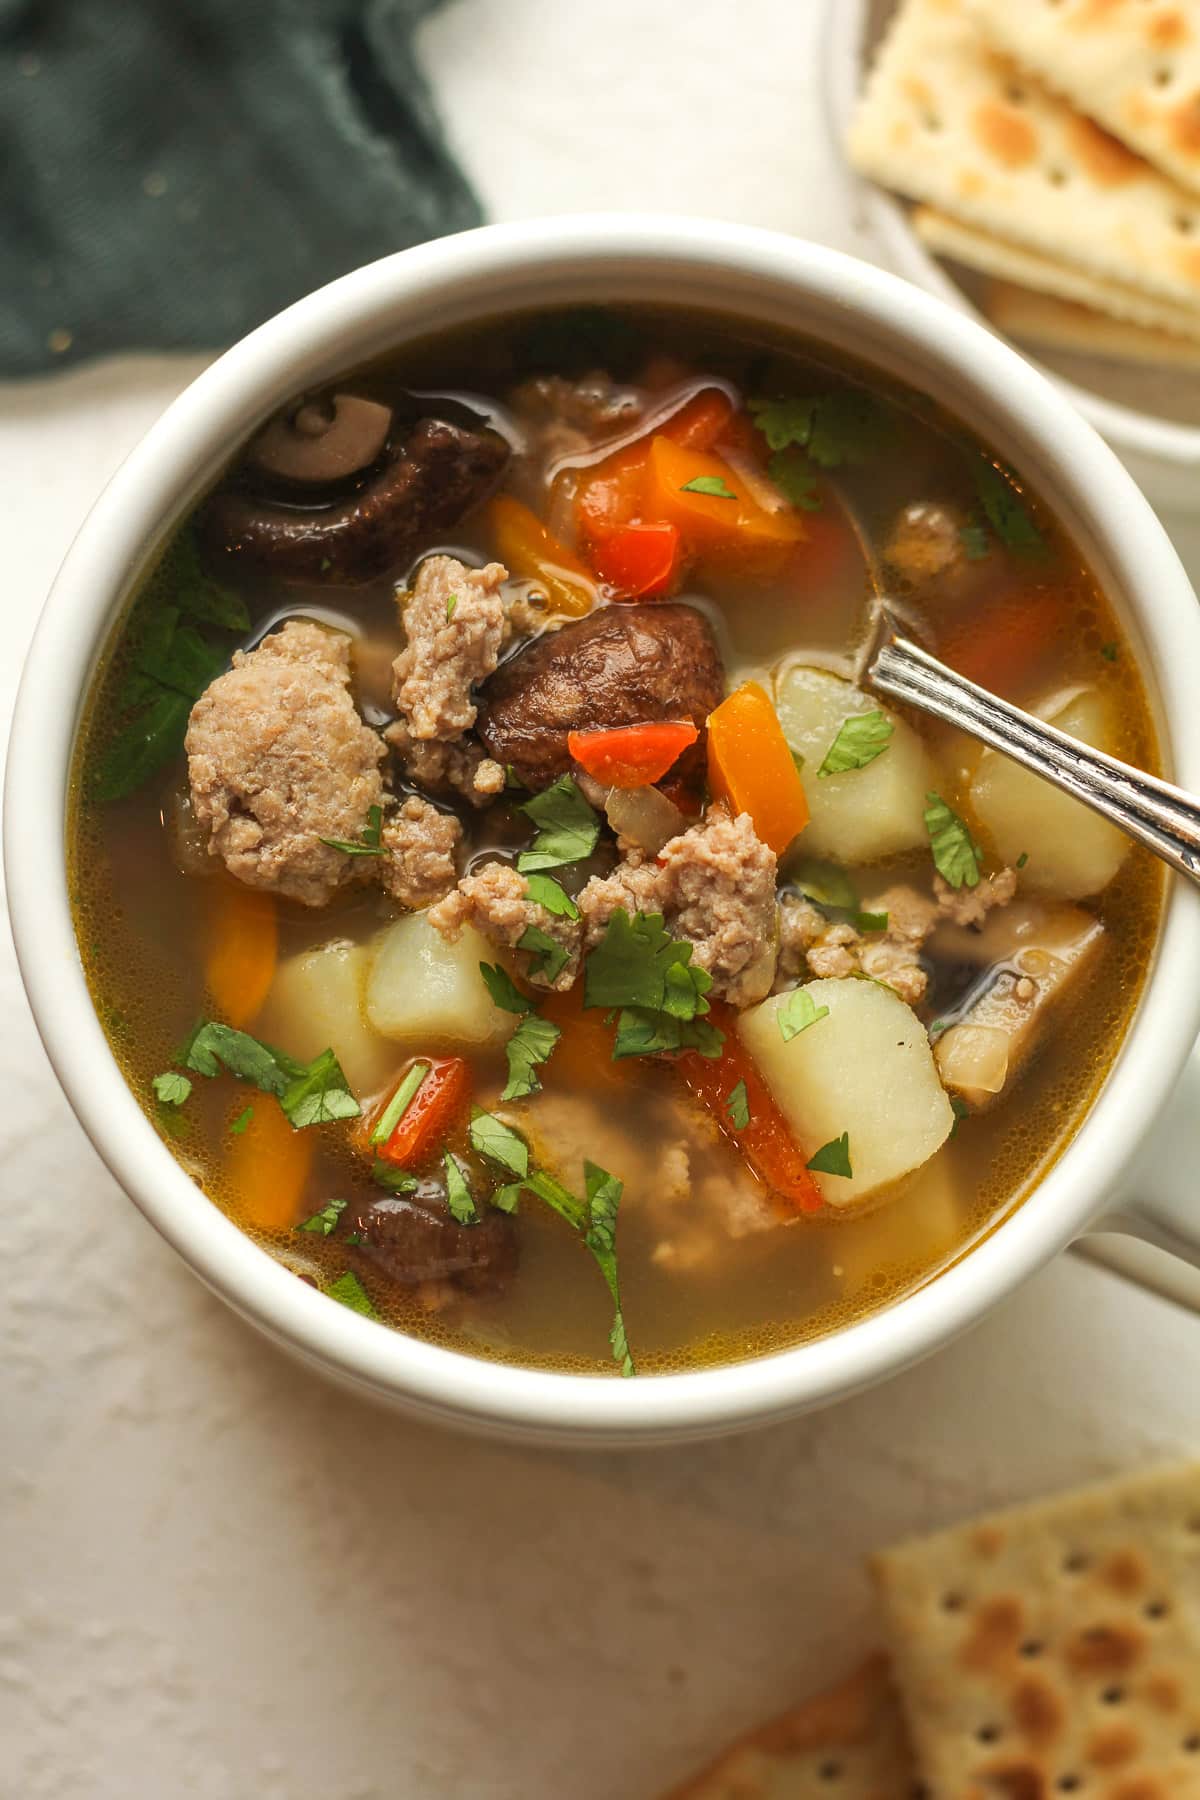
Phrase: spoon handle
[1161,816]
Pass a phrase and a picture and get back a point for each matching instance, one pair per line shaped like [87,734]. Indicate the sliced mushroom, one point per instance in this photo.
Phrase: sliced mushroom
[323,441]
[423,485]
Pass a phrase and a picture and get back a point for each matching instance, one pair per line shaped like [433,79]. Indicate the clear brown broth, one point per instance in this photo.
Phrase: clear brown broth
[141,925]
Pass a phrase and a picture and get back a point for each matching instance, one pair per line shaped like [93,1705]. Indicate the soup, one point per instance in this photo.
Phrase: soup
[506,901]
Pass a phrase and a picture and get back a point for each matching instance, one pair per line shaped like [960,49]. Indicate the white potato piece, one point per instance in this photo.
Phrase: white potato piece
[866,1069]
[863,814]
[316,1003]
[428,994]
[1072,851]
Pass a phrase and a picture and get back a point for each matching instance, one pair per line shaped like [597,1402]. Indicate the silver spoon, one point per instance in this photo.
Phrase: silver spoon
[1157,814]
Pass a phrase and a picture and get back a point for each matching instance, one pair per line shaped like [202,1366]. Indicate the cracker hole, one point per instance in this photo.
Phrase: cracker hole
[932,122]
[1191,1743]
[1156,1609]
[1057,177]
[1068,1784]
[988,1734]
[1163,77]
[830,1771]
[1185,224]
[1016,93]
[953,1602]
[1032,1647]
[1113,1696]
[1078,1561]
[1193,1524]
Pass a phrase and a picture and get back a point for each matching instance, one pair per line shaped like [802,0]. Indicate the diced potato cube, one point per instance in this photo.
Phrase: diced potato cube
[973,1058]
[428,994]
[862,814]
[866,1069]
[316,1003]
[1071,850]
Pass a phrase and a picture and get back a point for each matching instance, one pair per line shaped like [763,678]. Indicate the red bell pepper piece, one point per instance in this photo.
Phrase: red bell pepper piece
[639,562]
[632,756]
[418,1114]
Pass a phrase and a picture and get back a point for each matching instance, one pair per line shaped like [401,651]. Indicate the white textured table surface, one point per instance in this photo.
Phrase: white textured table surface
[219,1577]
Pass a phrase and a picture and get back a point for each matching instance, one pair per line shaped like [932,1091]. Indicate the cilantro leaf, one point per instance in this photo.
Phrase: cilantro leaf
[403,1097]
[503,989]
[797,1013]
[631,963]
[975,541]
[825,883]
[323,1222]
[833,1158]
[567,827]
[171,1088]
[956,855]
[451,603]
[870,921]
[543,890]
[713,485]
[642,1031]
[792,474]
[396,1181]
[368,843]
[1006,511]
[505,1198]
[1109,652]
[458,1193]
[860,739]
[529,1046]
[552,1191]
[843,427]
[498,1142]
[319,1094]
[737,1106]
[1022,860]
[547,957]
[349,1291]
[961,1111]
[603,1199]
[241,1122]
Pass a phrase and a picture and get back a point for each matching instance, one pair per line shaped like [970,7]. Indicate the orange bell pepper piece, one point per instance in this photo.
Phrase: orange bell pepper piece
[528,550]
[241,952]
[752,769]
[632,756]
[723,517]
[765,1141]
[267,1167]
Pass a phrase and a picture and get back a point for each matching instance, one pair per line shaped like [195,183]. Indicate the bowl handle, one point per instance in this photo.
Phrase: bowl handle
[1158,1205]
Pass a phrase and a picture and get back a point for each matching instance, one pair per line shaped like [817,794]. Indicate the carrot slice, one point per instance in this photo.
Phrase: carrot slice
[242,951]
[529,550]
[632,756]
[1001,643]
[426,1101]
[765,1139]
[752,769]
[267,1167]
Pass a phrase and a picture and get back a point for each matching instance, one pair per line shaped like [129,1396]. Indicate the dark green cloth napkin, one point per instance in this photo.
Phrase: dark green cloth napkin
[174,171]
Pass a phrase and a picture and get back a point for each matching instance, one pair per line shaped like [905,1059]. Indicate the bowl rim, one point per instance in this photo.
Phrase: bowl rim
[1142,434]
[578,256]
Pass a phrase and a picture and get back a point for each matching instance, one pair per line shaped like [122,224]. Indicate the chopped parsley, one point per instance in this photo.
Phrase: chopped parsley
[547,957]
[870,921]
[396,1181]
[792,474]
[503,989]
[1022,859]
[543,890]
[825,884]
[171,1088]
[956,855]
[975,541]
[319,1094]
[399,1103]
[567,827]
[797,1013]
[499,1143]
[1109,652]
[961,1111]
[349,1291]
[713,485]
[833,1158]
[530,1045]
[323,1222]
[368,842]
[451,603]
[845,427]
[177,641]
[860,739]
[1006,511]
[603,1199]
[241,1122]
[505,1199]
[638,969]
[737,1107]
[458,1192]
[309,1093]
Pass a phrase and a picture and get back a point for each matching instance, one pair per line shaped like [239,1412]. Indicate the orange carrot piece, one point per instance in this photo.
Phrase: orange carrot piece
[529,551]
[752,769]
[700,421]
[242,951]
[583,1056]
[724,516]
[765,1140]
[267,1167]
[632,756]
[1001,642]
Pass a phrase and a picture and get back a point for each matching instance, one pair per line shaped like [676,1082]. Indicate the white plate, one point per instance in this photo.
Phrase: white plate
[1145,414]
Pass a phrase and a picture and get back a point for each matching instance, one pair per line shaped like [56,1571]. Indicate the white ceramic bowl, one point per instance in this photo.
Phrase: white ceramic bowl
[756,277]
[1161,451]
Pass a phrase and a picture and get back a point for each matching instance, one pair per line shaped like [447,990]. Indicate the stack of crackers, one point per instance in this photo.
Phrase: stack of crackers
[1049,1651]
[1053,146]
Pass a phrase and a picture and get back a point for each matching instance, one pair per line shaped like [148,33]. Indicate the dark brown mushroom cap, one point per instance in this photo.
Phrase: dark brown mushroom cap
[621,665]
[414,1238]
[323,441]
[425,485]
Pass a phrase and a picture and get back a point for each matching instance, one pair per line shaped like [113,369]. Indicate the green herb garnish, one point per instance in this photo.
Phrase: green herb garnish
[860,739]
[792,474]
[713,485]
[1006,511]
[603,1199]
[323,1222]
[498,1142]
[825,883]
[547,956]
[737,1107]
[567,827]
[797,1013]
[847,426]
[975,541]
[505,1199]
[458,1192]
[241,1122]
[399,1103]
[503,989]
[319,1094]
[451,603]
[171,1088]
[870,921]
[349,1291]
[956,855]
[527,1049]
[396,1181]
[543,890]
[833,1158]
[638,969]
[1109,652]
[368,842]
[309,1093]
[961,1111]
[1022,859]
